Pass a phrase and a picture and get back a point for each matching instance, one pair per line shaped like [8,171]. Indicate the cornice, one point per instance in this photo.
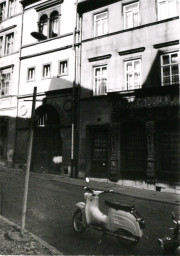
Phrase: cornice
[140,49]
[165,44]
[107,56]
[7,28]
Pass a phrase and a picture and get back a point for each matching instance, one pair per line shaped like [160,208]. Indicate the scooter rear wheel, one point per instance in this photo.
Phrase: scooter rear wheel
[77,221]
[124,241]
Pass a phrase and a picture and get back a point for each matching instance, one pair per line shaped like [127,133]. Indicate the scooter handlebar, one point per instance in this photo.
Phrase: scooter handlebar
[94,191]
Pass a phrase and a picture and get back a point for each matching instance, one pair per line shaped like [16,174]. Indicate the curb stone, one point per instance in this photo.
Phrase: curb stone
[52,249]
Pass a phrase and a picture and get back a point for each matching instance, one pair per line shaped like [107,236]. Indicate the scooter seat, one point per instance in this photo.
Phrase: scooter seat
[118,206]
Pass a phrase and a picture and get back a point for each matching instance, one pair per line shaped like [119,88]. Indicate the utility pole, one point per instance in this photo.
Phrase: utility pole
[31,134]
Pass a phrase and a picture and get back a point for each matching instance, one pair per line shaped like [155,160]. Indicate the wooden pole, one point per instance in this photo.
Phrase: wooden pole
[31,133]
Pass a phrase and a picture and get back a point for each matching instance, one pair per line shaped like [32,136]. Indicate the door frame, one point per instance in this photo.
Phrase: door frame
[89,130]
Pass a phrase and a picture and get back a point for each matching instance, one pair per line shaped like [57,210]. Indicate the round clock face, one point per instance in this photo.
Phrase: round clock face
[67,105]
[23,110]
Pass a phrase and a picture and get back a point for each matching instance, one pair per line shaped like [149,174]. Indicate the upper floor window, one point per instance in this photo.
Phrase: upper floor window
[31,74]
[100,80]
[63,67]
[46,71]
[2,11]
[13,7]
[9,43]
[4,83]
[100,24]
[48,26]
[1,46]
[43,25]
[131,15]
[167,9]
[170,68]
[54,24]
[133,74]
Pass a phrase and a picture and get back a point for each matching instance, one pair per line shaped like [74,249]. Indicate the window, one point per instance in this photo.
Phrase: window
[1,46]
[54,24]
[31,74]
[131,15]
[48,26]
[167,9]
[100,80]
[170,68]
[43,25]
[9,43]
[100,24]
[133,74]
[2,11]
[63,67]
[4,84]
[46,71]
[13,7]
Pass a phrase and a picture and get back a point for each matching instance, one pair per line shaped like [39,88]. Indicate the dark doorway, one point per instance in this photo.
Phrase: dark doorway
[134,150]
[169,150]
[99,152]
[47,147]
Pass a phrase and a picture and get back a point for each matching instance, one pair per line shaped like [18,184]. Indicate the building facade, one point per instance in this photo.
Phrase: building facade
[129,104]
[47,62]
[10,42]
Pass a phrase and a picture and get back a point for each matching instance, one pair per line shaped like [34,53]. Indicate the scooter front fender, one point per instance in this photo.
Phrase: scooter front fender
[81,206]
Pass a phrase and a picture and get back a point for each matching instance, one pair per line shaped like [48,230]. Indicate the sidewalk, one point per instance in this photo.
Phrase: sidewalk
[152,195]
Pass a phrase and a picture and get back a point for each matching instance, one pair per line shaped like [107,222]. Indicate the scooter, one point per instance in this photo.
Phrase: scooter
[122,221]
[171,245]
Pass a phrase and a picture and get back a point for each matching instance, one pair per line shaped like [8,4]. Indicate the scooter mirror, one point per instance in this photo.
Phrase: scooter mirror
[87,179]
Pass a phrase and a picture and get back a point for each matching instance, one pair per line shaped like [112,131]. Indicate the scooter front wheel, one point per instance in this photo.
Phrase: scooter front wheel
[126,238]
[77,221]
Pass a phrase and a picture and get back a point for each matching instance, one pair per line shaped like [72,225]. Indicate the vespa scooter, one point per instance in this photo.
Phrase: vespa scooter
[171,245]
[122,221]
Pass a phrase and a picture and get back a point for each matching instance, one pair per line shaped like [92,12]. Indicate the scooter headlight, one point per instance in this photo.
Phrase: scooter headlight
[86,195]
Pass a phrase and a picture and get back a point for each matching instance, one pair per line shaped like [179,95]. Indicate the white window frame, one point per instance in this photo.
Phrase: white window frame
[170,65]
[48,75]
[98,90]
[63,72]
[132,72]
[1,45]
[131,12]
[13,8]
[103,21]
[168,10]
[31,72]
[5,83]
[3,13]
[9,43]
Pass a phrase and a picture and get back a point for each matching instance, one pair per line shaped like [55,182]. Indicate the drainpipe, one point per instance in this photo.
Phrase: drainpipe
[74,115]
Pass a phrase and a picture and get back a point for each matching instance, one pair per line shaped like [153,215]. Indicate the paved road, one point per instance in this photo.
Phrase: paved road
[50,208]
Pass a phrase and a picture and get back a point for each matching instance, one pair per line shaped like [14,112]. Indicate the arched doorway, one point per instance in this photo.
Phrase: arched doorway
[47,144]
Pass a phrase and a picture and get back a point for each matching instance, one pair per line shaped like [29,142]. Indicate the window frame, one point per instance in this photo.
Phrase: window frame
[28,69]
[67,72]
[5,12]
[169,65]
[7,88]
[43,66]
[6,44]
[167,7]
[95,90]
[15,8]
[125,14]
[95,23]
[126,72]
